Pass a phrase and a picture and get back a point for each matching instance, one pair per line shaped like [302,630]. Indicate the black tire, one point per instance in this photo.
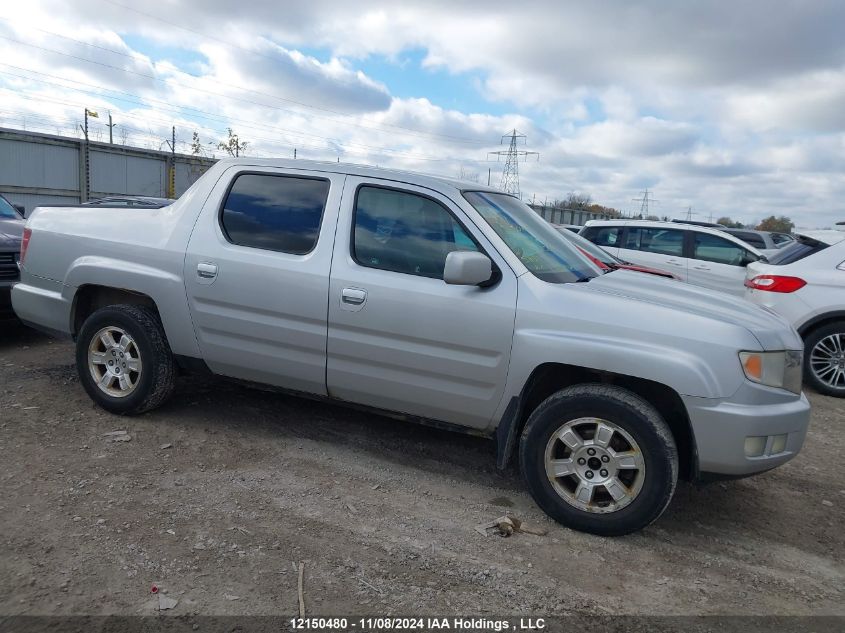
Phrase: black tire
[628,412]
[157,378]
[810,343]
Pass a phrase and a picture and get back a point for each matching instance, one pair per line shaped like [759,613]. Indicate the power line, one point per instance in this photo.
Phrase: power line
[381,127]
[644,202]
[510,175]
[332,143]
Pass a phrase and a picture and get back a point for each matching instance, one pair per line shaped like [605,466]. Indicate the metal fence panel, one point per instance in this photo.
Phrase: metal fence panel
[27,164]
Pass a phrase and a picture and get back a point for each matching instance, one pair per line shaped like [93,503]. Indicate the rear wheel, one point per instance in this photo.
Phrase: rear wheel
[123,359]
[824,359]
[599,459]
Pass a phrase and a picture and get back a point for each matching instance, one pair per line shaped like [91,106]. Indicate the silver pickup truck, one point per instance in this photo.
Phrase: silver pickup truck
[427,299]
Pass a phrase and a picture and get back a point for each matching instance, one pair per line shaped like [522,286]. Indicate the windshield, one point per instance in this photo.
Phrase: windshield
[7,211]
[586,245]
[536,243]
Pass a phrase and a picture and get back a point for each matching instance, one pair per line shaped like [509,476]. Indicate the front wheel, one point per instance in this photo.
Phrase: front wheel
[824,359]
[123,359]
[599,459]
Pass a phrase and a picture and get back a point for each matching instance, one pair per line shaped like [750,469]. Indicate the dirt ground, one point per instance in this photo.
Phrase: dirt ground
[217,495]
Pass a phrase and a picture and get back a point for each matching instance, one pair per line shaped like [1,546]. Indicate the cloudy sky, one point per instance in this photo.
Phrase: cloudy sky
[733,108]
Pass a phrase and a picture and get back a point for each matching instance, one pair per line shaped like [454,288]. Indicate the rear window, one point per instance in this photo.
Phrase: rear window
[603,235]
[799,249]
[275,213]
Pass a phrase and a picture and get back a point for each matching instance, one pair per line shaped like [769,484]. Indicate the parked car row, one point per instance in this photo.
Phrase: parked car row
[700,255]
[802,280]
[433,300]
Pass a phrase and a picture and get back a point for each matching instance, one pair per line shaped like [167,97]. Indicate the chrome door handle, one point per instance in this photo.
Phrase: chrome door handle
[674,262]
[701,267]
[206,270]
[354,296]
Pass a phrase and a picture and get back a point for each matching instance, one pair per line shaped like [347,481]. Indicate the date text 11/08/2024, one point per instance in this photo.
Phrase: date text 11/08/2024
[416,624]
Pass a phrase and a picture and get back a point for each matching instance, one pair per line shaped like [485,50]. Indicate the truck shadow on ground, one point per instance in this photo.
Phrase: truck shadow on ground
[744,506]
[14,334]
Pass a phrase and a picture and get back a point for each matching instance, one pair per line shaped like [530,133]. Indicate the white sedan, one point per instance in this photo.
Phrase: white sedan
[805,283]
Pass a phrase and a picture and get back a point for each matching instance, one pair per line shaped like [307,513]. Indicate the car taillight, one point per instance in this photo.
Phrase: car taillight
[27,233]
[775,283]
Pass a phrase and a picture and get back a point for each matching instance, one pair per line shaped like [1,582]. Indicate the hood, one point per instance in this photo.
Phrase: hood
[772,331]
[10,232]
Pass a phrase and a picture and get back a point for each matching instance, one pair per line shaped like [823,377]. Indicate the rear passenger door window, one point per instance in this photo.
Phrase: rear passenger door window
[712,248]
[273,212]
[718,263]
[607,236]
[655,240]
[404,232]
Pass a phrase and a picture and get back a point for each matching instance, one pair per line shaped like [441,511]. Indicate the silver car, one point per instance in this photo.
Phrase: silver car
[426,299]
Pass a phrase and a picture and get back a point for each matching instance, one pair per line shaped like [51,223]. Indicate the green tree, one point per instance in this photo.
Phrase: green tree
[780,224]
[728,222]
[233,146]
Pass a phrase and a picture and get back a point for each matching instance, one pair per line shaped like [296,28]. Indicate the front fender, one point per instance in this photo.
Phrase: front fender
[687,373]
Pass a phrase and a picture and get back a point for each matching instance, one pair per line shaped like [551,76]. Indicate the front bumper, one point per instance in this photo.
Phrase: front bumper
[721,426]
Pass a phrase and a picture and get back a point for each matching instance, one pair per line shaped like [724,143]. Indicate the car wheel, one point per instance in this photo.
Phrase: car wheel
[123,359]
[599,459]
[824,359]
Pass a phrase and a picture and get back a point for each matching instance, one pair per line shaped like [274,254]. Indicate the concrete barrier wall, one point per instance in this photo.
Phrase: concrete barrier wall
[41,169]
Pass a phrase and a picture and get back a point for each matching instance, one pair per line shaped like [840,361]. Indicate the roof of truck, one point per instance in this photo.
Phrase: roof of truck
[352,169]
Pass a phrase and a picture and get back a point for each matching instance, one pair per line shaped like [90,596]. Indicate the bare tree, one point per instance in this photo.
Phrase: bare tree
[233,146]
[196,145]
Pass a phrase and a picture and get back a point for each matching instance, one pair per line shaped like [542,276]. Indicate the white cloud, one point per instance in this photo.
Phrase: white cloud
[737,110]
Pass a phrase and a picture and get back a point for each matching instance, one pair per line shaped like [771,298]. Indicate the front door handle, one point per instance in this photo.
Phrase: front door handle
[353,296]
[674,262]
[206,270]
[701,267]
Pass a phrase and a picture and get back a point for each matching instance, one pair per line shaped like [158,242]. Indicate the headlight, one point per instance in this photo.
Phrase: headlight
[774,369]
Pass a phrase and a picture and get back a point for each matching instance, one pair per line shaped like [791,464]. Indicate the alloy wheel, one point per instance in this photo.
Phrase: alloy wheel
[114,361]
[595,465]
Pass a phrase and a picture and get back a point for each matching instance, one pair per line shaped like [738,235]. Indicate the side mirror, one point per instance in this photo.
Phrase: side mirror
[467,268]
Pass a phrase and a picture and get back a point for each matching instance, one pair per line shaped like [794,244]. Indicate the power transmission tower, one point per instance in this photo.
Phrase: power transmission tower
[510,175]
[644,201]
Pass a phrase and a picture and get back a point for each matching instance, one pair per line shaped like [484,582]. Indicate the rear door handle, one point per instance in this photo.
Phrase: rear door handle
[353,296]
[674,262]
[206,270]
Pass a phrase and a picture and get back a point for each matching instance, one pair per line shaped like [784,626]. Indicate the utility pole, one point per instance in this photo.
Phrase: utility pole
[488,176]
[690,213]
[294,153]
[171,178]
[85,180]
[644,202]
[510,175]
[111,125]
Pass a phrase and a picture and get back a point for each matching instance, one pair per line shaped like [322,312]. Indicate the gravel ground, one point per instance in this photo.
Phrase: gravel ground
[215,497]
